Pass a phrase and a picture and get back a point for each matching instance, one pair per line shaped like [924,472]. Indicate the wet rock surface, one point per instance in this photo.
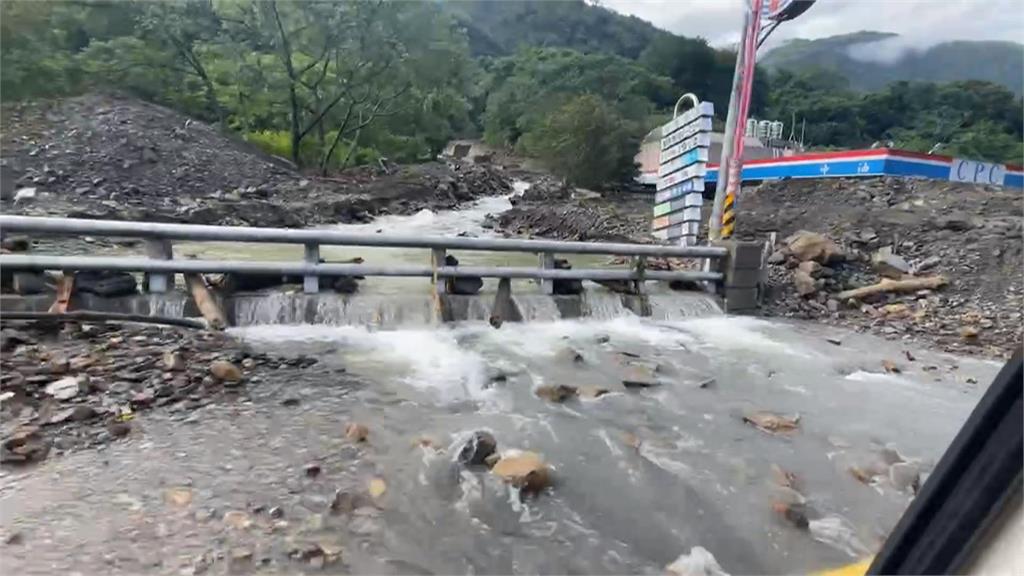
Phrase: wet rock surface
[81,386]
[114,157]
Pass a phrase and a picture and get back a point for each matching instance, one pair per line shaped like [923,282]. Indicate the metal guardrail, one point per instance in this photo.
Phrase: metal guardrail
[160,262]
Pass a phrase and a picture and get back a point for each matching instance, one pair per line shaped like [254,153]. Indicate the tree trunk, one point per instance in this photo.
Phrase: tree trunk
[293,99]
[326,158]
[351,149]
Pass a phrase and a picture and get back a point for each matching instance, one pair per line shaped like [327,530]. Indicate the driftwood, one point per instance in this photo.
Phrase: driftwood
[90,316]
[887,285]
[65,288]
[504,309]
[205,301]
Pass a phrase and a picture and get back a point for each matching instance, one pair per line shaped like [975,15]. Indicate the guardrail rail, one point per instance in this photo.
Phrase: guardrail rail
[160,264]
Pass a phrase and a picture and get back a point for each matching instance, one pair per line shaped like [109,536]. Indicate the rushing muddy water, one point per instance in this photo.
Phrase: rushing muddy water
[641,476]
[467,221]
[700,477]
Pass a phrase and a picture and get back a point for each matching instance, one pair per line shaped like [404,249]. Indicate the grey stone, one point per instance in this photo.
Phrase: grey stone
[927,264]
[889,265]
[777,257]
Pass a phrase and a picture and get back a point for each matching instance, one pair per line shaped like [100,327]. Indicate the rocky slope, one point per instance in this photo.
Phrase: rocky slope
[104,156]
[551,209]
[969,235]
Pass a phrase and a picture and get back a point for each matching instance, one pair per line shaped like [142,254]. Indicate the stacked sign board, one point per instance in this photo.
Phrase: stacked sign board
[683,163]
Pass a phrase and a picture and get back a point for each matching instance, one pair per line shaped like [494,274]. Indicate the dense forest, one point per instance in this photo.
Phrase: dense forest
[336,84]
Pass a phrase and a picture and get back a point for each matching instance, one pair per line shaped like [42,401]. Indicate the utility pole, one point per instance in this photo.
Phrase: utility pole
[730,164]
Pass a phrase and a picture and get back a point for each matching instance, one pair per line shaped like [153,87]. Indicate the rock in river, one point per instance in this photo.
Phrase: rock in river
[225,371]
[356,432]
[771,422]
[559,393]
[637,376]
[476,450]
[525,470]
[591,391]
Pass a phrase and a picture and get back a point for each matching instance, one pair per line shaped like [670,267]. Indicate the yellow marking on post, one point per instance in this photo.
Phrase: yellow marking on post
[728,216]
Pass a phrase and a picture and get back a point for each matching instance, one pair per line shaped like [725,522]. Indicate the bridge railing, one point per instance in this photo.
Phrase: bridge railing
[161,265]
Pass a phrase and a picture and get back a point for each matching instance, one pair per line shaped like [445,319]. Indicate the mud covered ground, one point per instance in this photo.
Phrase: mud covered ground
[113,157]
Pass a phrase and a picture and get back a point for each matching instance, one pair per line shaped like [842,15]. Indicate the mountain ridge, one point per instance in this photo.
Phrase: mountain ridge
[870,60]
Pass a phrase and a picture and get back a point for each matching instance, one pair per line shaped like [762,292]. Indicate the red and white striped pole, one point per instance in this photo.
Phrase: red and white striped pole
[730,169]
[723,212]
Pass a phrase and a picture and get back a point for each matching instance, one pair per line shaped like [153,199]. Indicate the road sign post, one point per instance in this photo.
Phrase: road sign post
[685,141]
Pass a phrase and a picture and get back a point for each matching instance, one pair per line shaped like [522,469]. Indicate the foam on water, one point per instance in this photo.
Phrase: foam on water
[441,223]
[738,333]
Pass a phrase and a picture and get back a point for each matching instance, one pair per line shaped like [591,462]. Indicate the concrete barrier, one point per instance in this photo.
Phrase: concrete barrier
[742,274]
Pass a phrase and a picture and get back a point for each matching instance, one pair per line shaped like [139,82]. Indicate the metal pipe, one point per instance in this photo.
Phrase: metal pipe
[194,232]
[327,269]
[94,316]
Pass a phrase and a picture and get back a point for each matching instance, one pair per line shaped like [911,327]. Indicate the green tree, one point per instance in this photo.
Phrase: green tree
[586,141]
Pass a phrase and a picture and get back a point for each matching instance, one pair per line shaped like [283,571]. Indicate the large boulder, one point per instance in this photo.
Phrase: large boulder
[805,246]
[524,470]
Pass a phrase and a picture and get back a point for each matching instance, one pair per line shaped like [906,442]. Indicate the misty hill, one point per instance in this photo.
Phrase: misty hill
[871,60]
[500,28]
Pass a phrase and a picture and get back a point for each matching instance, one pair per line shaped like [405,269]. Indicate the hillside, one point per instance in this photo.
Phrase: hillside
[500,28]
[871,60]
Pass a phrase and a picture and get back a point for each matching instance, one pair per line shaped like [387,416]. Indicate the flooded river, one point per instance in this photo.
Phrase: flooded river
[640,476]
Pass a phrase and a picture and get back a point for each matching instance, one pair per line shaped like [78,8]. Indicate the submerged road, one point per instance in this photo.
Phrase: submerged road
[641,475]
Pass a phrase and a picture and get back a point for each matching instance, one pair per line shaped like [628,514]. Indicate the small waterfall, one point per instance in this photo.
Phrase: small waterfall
[160,305]
[382,311]
[680,305]
[602,305]
[331,309]
[268,308]
[537,307]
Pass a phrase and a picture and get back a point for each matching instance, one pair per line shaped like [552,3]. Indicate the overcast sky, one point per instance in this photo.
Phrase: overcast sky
[923,22]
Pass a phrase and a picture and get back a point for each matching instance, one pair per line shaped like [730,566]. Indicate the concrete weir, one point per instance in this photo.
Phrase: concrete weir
[273,307]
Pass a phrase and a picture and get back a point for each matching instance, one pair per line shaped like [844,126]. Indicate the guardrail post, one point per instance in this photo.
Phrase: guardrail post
[547,262]
[437,256]
[741,276]
[159,249]
[640,266]
[311,255]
